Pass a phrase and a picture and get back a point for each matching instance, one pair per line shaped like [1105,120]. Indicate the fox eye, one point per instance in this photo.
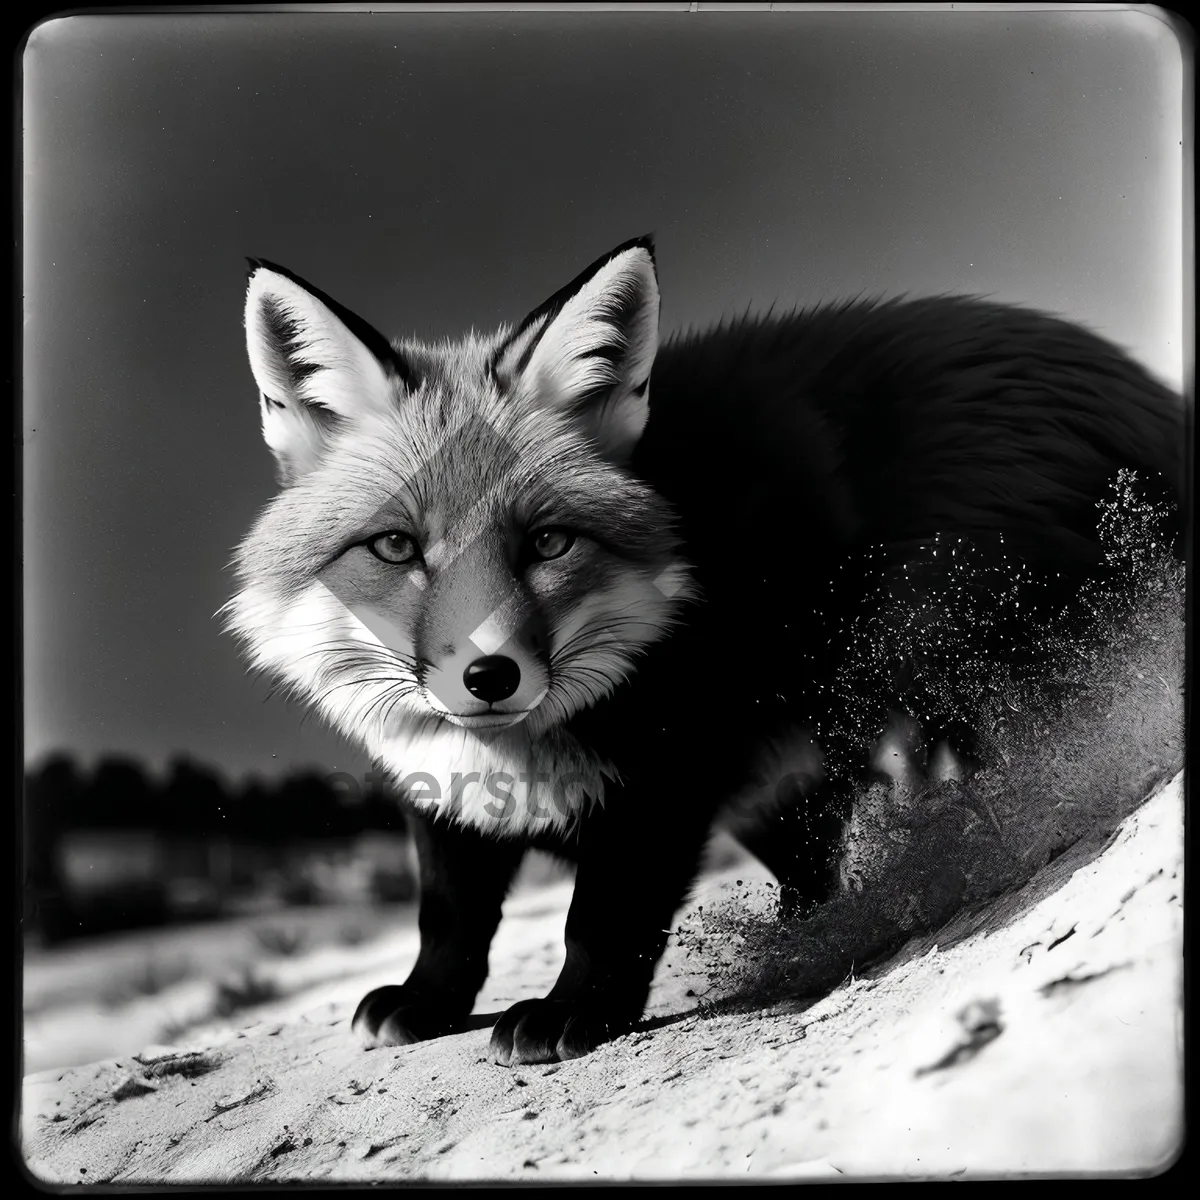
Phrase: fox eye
[394,548]
[551,543]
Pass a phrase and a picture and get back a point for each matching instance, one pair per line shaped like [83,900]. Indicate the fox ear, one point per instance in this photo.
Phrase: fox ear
[316,364]
[590,347]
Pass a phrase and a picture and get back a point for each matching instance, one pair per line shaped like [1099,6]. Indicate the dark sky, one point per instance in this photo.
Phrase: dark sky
[438,171]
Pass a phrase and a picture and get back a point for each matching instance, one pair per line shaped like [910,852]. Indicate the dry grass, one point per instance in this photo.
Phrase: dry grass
[244,990]
[280,941]
[150,978]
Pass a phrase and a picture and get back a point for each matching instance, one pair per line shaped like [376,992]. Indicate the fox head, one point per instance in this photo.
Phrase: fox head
[459,557]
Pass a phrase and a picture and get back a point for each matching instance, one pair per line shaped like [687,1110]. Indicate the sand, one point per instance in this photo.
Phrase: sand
[1040,1036]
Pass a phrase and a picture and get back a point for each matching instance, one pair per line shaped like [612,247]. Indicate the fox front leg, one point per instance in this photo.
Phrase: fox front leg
[464,878]
[629,883]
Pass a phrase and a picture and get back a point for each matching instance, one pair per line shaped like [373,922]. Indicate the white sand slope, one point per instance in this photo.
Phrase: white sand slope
[1045,1037]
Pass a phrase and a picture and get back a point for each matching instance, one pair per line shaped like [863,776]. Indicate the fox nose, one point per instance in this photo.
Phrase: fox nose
[492,678]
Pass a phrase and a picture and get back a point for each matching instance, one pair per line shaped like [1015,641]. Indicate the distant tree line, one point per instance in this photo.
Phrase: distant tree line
[193,808]
[193,799]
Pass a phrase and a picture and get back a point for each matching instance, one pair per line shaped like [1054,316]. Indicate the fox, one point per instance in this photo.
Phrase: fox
[576,590]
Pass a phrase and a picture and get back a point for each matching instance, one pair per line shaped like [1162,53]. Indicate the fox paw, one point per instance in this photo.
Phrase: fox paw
[388,1016]
[538,1031]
